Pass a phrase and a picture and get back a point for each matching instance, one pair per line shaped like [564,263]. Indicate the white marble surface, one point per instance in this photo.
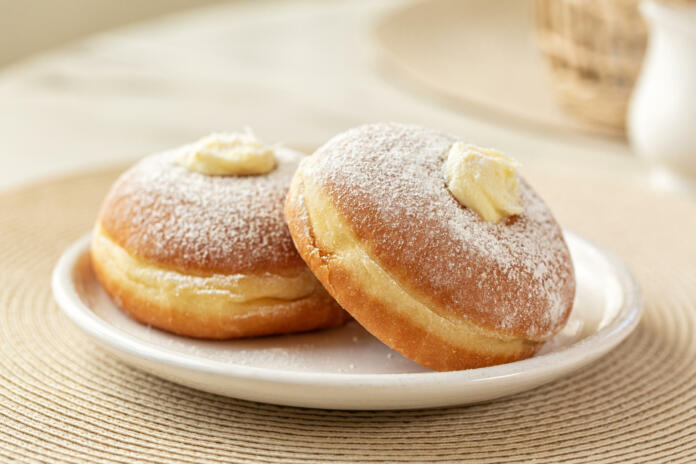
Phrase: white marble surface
[297,72]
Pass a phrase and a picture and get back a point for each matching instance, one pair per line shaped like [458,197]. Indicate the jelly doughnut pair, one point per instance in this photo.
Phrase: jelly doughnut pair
[438,248]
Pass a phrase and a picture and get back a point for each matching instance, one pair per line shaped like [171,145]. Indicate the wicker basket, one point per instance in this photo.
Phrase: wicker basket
[595,49]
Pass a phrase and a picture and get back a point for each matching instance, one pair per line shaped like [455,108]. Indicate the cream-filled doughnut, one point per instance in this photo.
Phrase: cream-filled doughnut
[451,272]
[187,245]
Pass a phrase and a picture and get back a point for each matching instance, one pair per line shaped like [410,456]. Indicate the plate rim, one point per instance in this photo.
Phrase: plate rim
[589,348]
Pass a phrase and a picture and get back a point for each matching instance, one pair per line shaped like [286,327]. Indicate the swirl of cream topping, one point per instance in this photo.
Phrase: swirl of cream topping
[228,154]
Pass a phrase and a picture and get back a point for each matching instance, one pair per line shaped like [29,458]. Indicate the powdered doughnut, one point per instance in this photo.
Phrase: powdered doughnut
[371,215]
[207,256]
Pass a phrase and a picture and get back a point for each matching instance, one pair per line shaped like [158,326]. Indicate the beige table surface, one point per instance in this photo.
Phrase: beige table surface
[297,72]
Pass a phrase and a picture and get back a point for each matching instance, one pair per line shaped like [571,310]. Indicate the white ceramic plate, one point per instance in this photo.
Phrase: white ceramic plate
[347,368]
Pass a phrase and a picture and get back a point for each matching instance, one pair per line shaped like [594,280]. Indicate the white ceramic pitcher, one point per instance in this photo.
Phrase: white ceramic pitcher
[662,113]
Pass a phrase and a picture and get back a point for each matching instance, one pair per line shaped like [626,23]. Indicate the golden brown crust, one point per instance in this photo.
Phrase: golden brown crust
[448,295]
[315,311]
[379,317]
[386,180]
[199,224]
[207,256]
[371,215]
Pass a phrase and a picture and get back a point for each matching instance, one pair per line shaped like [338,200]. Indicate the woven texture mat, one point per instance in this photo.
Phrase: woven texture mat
[64,400]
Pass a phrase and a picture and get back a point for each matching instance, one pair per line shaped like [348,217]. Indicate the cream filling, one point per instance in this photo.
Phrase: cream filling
[228,154]
[484,180]
[232,294]
[335,237]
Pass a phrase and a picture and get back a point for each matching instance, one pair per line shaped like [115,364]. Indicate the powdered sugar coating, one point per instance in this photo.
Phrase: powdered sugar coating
[161,212]
[387,181]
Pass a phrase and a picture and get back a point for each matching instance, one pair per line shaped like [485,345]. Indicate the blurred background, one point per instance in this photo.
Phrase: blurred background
[31,26]
[89,83]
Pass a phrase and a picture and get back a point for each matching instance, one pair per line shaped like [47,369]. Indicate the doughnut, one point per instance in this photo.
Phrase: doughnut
[208,255]
[373,217]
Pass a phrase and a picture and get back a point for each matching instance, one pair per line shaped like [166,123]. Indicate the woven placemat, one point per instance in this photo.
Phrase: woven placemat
[62,399]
